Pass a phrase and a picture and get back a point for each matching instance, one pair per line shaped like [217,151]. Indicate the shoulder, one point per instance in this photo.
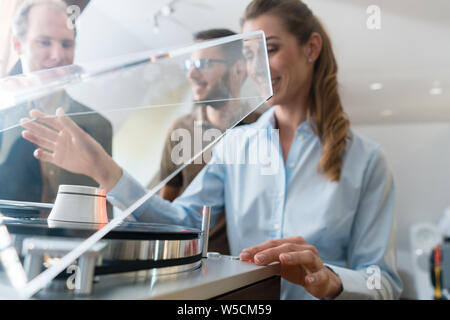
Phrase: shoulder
[365,155]
[360,144]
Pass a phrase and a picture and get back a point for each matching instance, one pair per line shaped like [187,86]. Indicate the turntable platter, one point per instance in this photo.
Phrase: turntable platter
[130,247]
[34,225]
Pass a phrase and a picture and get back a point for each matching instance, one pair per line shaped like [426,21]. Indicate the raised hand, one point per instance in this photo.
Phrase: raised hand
[63,143]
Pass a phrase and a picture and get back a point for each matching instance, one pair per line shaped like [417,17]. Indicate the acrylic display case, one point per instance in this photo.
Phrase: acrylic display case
[152,114]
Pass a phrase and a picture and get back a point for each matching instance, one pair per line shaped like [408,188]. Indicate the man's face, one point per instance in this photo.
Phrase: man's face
[48,43]
[210,81]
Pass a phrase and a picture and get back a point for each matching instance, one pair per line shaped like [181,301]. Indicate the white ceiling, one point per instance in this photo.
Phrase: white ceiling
[409,55]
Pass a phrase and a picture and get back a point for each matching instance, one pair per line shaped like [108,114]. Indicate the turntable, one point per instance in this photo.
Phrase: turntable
[137,261]
[127,104]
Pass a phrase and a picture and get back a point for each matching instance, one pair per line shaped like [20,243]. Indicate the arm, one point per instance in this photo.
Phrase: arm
[206,189]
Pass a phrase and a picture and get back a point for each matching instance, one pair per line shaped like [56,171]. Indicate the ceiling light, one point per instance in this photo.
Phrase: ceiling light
[376,86]
[436,88]
[387,113]
[436,91]
[166,10]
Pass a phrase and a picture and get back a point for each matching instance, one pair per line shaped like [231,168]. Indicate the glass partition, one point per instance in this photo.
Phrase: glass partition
[69,135]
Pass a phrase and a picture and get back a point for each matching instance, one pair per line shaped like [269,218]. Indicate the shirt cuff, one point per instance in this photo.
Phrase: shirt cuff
[354,284]
[126,192]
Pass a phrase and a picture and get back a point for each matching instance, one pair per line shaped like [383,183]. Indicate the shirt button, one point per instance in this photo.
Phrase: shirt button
[300,137]
[292,165]
[277,226]
[52,172]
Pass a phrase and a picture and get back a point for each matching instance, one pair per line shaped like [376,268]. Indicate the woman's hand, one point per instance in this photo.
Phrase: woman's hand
[300,264]
[63,143]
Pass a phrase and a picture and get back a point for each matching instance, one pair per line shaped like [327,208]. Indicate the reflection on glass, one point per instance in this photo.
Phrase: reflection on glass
[90,125]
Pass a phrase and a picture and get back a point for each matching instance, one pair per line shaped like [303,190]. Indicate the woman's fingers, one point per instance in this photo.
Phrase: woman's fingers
[40,142]
[43,124]
[291,254]
[318,278]
[65,120]
[249,253]
[300,263]
[307,257]
[306,269]
[43,155]
[38,129]
[50,121]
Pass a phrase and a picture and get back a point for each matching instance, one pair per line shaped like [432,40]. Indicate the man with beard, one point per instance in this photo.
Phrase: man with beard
[44,40]
[213,88]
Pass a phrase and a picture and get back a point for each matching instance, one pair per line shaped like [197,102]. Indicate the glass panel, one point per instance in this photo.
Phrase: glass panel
[68,134]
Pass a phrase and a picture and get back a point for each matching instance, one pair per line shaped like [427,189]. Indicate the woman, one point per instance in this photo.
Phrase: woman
[326,216]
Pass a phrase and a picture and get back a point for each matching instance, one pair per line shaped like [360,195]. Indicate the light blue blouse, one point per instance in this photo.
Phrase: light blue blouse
[350,222]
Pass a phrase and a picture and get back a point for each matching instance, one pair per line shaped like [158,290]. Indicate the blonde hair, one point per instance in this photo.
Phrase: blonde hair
[331,124]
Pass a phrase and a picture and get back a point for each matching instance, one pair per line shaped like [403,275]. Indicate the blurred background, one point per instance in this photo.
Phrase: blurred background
[394,80]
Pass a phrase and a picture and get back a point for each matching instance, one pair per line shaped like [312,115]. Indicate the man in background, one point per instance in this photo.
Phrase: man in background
[214,74]
[41,36]
[43,39]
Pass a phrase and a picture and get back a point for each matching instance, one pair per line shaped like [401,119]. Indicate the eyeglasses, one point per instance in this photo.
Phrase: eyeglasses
[201,64]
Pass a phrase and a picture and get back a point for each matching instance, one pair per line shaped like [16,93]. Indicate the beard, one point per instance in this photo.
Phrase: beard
[220,91]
